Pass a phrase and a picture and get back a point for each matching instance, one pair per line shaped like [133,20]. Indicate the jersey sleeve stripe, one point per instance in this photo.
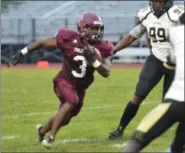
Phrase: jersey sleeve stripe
[144,18]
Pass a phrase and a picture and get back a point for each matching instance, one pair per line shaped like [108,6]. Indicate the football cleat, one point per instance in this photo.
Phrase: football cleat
[40,137]
[47,143]
[117,134]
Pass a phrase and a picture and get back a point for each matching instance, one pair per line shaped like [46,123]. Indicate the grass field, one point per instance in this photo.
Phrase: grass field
[28,99]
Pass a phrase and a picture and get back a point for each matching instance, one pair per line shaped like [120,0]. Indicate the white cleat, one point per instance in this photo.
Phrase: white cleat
[47,143]
[39,136]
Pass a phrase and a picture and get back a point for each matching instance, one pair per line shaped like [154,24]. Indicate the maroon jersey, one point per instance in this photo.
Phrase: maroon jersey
[75,67]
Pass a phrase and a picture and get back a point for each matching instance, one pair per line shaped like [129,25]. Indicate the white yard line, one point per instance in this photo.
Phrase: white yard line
[150,102]
[75,140]
[64,141]
[9,137]
[16,116]
[100,107]
[118,145]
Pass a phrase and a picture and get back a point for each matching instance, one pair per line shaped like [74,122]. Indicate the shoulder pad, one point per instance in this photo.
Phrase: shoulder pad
[143,13]
[175,12]
[105,47]
[65,33]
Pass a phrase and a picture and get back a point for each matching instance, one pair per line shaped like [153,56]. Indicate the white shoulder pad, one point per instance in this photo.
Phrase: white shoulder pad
[175,12]
[143,12]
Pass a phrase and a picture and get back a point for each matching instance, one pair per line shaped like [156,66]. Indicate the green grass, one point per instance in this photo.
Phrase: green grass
[28,99]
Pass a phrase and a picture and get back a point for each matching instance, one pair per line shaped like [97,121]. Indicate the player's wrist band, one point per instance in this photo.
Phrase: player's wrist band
[24,51]
[96,63]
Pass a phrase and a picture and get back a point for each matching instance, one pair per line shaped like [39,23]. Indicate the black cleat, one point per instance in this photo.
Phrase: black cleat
[40,137]
[117,134]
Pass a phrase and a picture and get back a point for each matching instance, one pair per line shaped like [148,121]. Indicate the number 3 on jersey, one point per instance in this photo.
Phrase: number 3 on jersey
[157,34]
[82,66]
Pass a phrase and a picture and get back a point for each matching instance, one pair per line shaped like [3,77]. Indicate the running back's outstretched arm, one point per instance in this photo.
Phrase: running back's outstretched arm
[46,43]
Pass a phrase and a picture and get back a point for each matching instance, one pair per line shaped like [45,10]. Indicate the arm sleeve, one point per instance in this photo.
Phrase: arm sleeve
[137,31]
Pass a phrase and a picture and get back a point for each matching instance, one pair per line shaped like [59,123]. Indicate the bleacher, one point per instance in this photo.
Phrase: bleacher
[49,16]
[104,8]
[29,9]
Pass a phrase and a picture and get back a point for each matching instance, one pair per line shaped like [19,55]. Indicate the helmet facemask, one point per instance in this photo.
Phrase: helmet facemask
[94,33]
[91,27]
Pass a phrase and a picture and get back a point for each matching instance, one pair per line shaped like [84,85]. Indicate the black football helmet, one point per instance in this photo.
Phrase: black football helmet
[160,6]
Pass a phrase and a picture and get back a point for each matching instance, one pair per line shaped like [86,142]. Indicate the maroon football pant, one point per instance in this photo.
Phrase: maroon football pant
[66,92]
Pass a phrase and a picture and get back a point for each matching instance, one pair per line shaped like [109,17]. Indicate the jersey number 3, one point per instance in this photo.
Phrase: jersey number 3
[83,66]
[157,34]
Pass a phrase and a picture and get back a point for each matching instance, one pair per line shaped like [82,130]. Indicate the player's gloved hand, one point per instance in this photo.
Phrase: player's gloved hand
[90,53]
[15,59]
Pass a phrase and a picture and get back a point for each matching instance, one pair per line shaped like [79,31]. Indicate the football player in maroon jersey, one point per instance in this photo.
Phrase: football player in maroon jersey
[80,62]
